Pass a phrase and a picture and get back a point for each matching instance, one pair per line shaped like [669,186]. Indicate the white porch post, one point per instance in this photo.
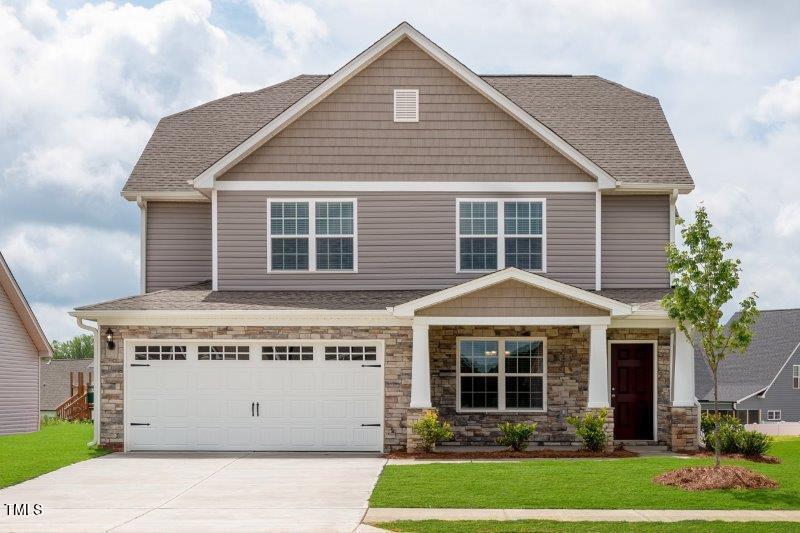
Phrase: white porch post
[683,372]
[598,368]
[420,368]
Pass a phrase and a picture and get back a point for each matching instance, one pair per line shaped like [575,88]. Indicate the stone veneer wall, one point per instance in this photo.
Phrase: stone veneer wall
[663,370]
[567,382]
[397,367]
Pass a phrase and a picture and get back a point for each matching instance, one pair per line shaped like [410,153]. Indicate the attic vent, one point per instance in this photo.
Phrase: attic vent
[406,105]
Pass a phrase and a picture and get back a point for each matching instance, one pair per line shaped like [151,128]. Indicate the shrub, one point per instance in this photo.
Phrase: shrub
[516,436]
[591,429]
[431,430]
[729,428]
[48,420]
[753,443]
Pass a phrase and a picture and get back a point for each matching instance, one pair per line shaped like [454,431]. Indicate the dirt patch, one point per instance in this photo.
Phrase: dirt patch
[506,454]
[715,477]
[769,459]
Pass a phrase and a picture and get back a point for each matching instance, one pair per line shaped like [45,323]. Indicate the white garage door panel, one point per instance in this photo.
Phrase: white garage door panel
[253,404]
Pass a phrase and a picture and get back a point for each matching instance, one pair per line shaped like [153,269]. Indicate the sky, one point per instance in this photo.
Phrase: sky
[84,84]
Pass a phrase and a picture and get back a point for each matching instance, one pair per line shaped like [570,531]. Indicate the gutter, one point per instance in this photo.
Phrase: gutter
[95,380]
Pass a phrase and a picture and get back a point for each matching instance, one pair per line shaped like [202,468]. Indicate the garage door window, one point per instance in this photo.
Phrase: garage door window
[351,353]
[160,353]
[287,353]
[223,353]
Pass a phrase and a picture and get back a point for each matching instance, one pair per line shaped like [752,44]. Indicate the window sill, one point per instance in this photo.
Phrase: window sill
[499,412]
[461,271]
[312,271]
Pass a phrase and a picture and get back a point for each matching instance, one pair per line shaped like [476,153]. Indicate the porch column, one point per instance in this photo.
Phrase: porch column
[598,368]
[683,372]
[420,368]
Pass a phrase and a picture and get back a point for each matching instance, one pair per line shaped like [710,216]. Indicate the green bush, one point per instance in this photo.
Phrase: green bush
[431,430]
[753,443]
[48,420]
[591,429]
[729,428]
[516,436]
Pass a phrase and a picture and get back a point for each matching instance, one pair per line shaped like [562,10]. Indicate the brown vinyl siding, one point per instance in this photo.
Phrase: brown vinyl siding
[635,231]
[512,298]
[405,241]
[351,135]
[19,373]
[178,244]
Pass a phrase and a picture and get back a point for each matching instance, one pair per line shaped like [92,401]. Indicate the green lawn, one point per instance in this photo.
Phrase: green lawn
[580,484]
[30,455]
[547,526]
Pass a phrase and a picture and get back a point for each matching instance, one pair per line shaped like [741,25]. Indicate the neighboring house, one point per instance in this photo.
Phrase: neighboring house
[22,345]
[763,384]
[54,379]
[326,258]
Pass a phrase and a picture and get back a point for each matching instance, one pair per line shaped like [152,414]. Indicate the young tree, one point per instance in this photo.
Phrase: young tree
[80,347]
[704,281]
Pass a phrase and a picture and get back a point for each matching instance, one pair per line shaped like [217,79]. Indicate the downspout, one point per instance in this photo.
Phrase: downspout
[95,379]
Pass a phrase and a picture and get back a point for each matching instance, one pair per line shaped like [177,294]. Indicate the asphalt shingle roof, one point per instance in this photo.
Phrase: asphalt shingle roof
[623,131]
[775,336]
[200,297]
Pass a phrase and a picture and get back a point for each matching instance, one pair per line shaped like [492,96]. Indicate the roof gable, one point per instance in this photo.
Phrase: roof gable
[207,178]
[351,134]
[9,285]
[561,290]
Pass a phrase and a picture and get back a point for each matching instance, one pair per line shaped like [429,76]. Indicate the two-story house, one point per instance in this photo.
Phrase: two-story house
[326,258]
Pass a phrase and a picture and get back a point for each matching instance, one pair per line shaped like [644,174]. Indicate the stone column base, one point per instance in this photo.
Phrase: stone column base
[684,433]
[413,442]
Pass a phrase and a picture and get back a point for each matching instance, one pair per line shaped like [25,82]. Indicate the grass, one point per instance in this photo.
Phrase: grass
[581,484]
[29,455]
[542,526]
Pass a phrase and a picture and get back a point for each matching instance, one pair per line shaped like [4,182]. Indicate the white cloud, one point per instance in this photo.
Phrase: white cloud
[294,25]
[56,322]
[70,263]
[787,221]
[780,102]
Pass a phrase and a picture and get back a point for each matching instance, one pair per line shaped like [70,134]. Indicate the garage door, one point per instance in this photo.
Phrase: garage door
[297,396]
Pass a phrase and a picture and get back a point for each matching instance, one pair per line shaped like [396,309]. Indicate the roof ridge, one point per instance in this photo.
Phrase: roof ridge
[617,84]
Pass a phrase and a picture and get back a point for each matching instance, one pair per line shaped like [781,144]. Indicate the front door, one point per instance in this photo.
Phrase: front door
[632,391]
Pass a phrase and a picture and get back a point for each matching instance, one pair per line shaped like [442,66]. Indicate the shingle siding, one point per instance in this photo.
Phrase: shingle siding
[19,373]
[405,241]
[460,136]
[635,231]
[178,244]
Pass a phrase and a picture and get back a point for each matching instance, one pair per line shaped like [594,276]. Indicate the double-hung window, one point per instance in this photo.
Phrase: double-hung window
[796,376]
[774,416]
[312,235]
[495,234]
[501,374]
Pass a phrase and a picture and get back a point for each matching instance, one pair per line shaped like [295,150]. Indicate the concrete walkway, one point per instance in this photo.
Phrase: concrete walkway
[196,492]
[377,515]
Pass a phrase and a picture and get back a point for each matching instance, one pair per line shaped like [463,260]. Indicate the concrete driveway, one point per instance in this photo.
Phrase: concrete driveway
[198,492]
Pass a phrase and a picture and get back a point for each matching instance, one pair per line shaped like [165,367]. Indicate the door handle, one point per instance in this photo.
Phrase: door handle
[258,412]
[253,409]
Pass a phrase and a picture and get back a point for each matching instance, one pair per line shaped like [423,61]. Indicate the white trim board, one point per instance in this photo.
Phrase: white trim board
[406,186]
[206,179]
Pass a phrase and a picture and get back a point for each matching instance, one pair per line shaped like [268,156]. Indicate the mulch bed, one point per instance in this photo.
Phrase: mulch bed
[715,477]
[769,459]
[507,454]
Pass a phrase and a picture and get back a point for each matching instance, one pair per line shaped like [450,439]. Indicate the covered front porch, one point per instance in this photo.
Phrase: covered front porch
[520,347]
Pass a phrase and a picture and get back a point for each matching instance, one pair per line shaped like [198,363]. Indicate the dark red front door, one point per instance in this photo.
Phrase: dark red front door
[632,391]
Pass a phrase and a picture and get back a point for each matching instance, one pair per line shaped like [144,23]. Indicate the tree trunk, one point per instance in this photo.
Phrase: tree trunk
[716,419]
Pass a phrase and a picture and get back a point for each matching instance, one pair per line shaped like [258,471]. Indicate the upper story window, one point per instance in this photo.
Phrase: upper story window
[796,376]
[495,234]
[312,235]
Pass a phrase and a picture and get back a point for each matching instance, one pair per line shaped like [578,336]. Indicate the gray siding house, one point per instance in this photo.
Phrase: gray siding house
[22,345]
[763,384]
[326,258]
